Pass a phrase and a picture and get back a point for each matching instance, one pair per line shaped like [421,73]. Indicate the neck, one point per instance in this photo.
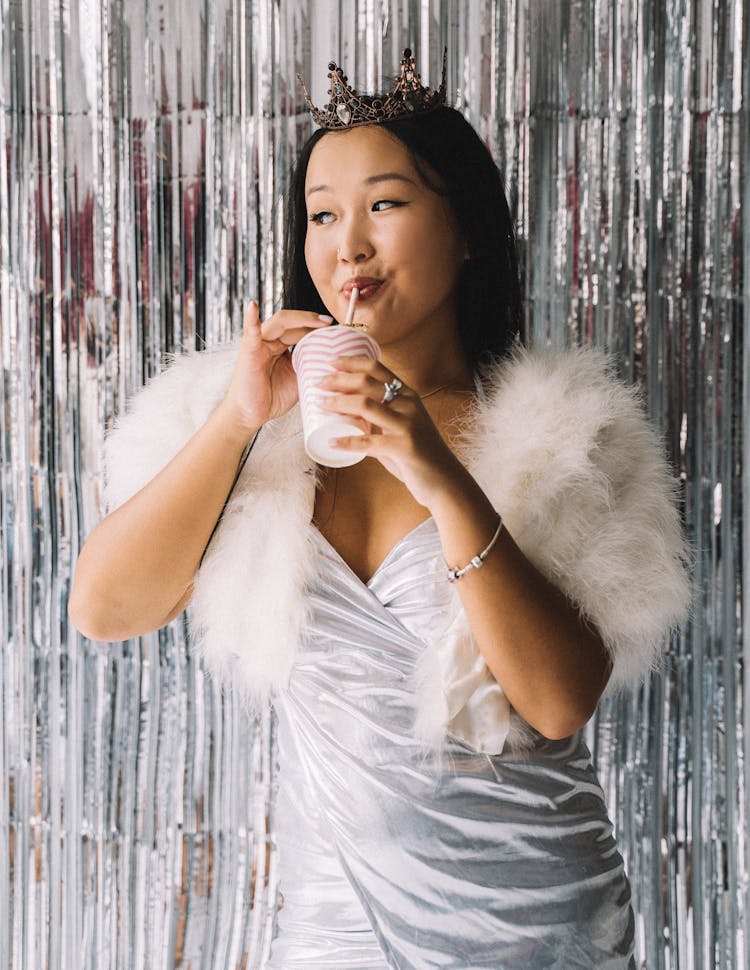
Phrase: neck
[440,365]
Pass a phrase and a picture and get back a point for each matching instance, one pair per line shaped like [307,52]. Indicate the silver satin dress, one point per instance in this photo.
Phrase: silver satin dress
[389,859]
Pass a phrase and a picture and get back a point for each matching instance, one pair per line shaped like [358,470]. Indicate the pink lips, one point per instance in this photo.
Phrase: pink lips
[367,286]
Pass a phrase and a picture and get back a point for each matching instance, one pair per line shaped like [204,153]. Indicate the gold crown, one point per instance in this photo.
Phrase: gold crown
[347,109]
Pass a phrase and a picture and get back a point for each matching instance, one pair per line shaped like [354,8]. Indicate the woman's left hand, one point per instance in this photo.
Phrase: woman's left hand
[403,436]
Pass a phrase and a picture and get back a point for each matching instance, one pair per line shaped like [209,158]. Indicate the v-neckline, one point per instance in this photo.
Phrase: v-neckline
[388,557]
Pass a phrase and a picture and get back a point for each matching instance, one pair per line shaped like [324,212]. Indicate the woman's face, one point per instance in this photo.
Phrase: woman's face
[372,222]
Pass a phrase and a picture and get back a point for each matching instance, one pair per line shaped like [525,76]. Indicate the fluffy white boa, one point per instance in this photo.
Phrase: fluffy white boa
[561,448]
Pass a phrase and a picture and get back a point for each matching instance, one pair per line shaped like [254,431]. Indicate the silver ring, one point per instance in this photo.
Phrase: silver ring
[392,390]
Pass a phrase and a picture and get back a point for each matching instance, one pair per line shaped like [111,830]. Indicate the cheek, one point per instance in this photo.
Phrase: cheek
[315,258]
[448,249]
[310,262]
[440,257]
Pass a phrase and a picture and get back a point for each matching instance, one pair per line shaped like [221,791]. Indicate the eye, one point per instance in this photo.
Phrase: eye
[386,203]
[321,218]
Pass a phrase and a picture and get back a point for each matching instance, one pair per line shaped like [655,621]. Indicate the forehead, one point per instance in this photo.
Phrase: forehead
[348,157]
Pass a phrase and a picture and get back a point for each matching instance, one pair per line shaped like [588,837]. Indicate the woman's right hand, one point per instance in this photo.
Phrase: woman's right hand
[136,570]
[264,384]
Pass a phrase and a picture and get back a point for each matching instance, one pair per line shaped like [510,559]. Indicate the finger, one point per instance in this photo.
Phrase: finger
[251,329]
[287,323]
[372,386]
[291,337]
[351,383]
[373,444]
[365,365]
[360,442]
[384,416]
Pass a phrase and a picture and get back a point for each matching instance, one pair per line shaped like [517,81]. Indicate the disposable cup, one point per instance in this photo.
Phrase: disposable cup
[311,360]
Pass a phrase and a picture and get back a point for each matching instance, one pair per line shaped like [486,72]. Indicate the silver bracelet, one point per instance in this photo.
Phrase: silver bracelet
[455,574]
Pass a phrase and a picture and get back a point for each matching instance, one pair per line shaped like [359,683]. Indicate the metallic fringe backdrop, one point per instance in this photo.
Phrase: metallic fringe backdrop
[145,153]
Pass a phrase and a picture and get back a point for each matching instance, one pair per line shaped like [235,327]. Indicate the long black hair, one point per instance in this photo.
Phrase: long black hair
[489,293]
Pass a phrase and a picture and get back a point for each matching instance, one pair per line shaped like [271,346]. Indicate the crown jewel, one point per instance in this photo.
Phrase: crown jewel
[347,109]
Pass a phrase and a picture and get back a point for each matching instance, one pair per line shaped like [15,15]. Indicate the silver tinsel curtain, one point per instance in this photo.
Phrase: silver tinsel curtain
[144,154]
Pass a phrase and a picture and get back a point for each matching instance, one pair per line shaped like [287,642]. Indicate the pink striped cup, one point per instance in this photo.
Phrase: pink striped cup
[310,360]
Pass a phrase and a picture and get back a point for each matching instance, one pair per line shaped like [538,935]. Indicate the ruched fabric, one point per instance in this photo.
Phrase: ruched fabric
[393,858]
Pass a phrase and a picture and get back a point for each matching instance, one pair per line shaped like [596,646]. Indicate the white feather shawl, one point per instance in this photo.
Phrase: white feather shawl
[561,448]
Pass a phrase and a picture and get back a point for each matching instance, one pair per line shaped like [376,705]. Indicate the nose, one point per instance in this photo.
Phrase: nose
[354,245]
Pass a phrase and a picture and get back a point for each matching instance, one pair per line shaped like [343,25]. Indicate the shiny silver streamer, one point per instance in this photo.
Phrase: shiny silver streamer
[145,153]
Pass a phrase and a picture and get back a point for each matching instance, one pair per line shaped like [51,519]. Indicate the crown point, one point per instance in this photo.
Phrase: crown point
[407,52]
[344,114]
[331,66]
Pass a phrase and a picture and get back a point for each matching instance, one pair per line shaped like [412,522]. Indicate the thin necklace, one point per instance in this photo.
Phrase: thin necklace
[441,388]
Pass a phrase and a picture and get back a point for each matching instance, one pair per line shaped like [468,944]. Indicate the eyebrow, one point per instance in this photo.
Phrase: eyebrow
[370,180]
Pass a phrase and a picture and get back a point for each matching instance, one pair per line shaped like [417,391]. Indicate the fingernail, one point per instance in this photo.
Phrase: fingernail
[325,318]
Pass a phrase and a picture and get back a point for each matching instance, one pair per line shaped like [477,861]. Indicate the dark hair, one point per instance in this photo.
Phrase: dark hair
[489,294]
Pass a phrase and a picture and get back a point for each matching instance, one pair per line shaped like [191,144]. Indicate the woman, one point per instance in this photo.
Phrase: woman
[436,806]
